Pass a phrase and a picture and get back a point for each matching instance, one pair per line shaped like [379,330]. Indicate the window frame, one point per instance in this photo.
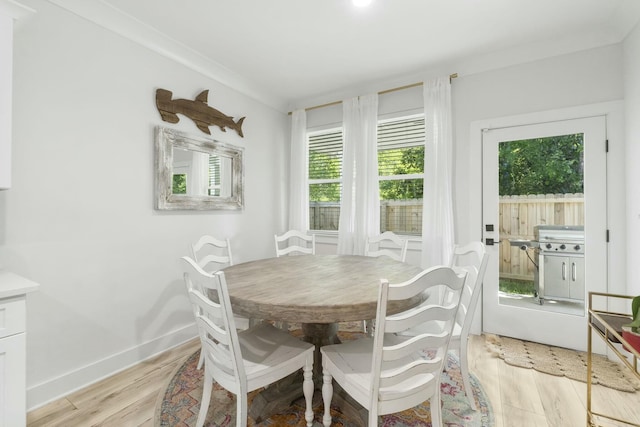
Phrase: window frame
[339,126]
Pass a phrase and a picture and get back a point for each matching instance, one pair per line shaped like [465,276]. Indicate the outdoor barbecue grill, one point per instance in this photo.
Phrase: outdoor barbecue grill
[559,261]
[559,250]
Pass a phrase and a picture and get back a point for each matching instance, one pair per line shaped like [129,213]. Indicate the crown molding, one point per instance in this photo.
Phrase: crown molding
[115,20]
[14,9]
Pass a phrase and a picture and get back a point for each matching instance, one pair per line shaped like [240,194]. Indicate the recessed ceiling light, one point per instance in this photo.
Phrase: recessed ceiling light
[361,3]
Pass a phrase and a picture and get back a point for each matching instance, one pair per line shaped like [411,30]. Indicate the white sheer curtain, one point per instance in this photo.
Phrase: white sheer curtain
[198,178]
[298,179]
[226,172]
[437,217]
[367,187]
[350,134]
[360,202]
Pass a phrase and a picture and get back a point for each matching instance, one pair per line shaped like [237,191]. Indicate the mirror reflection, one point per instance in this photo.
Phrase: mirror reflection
[197,173]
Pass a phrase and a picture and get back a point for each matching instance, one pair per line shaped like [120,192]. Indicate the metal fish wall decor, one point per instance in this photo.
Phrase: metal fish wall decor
[198,111]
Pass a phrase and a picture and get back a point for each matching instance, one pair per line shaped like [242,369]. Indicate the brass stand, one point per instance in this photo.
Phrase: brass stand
[604,324]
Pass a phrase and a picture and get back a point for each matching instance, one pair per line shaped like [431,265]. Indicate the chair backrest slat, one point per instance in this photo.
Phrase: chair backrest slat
[386,244]
[417,367]
[414,344]
[427,280]
[421,314]
[295,242]
[211,253]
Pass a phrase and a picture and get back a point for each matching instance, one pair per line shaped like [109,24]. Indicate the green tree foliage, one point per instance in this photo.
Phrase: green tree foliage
[179,185]
[400,162]
[553,165]
[324,166]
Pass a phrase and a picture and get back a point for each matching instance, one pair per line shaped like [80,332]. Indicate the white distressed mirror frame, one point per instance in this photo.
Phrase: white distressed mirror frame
[166,141]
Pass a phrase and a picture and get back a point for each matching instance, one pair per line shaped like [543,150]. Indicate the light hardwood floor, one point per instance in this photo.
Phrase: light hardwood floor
[519,397]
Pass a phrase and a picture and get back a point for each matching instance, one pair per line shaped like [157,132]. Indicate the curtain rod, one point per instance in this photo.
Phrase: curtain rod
[395,89]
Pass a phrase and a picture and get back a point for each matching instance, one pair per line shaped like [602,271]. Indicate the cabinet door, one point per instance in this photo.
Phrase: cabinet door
[13,399]
[556,275]
[576,279]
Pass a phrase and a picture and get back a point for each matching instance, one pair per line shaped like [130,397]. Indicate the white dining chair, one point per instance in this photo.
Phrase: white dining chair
[471,258]
[213,254]
[292,243]
[386,244]
[295,242]
[241,361]
[390,372]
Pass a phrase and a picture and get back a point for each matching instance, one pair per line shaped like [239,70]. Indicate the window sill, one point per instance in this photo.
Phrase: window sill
[331,237]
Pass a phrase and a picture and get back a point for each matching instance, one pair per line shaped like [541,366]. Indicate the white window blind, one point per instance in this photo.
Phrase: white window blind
[214,175]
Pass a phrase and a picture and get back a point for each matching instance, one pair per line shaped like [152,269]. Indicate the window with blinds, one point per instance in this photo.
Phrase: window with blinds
[325,179]
[400,170]
[401,158]
[325,166]
[214,176]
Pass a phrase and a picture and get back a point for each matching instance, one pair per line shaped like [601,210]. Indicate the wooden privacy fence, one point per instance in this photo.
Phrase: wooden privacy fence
[399,216]
[520,214]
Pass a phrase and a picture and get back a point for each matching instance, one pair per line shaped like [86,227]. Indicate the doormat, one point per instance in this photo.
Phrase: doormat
[560,361]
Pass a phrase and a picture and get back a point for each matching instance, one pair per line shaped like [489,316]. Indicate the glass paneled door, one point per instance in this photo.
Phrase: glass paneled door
[544,223]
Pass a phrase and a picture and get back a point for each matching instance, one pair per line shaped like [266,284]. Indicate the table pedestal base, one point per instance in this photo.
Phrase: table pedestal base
[319,334]
[276,398]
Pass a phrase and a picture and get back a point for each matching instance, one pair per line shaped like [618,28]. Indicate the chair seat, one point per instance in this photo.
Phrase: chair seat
[353,359]
[268,353]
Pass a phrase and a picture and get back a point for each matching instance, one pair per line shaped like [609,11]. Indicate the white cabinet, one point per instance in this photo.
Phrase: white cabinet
[13,349]
[12,381]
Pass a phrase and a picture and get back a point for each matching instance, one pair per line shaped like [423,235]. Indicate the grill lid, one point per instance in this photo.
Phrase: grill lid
[556,233]
[560,238]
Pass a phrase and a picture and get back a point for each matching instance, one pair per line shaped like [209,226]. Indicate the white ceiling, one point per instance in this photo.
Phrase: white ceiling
[290,52]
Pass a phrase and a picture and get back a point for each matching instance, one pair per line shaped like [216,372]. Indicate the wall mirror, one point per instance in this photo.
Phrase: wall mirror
[197,173]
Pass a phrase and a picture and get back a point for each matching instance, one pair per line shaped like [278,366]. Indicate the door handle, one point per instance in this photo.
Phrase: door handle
[564,270]
[573,271]
[491,242]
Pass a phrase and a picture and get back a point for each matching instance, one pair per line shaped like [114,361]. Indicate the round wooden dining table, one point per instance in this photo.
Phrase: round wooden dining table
[314,289]
[317,291]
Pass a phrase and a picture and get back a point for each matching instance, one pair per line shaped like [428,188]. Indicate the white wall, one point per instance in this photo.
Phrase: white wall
[632,112]
[79,219]
[6,61]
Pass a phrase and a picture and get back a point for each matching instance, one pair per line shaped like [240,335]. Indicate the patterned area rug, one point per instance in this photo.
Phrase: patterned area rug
[560,361]
[179,403]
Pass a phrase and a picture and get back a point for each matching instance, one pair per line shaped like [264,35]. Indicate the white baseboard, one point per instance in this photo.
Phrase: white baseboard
[48,391]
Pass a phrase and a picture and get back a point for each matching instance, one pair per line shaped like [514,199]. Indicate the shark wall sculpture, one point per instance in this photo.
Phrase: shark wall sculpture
[197,110]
